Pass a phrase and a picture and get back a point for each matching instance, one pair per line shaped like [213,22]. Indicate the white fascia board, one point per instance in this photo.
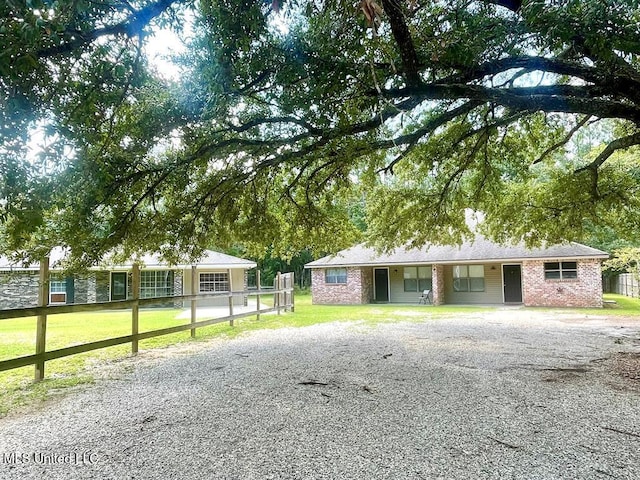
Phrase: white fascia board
[220,266]
[112,268]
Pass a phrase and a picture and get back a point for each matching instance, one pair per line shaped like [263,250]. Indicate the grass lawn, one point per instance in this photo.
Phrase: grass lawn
[17,337]
[624,306]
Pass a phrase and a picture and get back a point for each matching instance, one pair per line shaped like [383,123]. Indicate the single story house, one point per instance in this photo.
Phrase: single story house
[477,272]
[215,272]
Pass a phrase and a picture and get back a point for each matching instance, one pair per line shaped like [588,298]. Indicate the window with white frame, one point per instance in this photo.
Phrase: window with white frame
[214,282]
[560,271]
[335,275]
[57,289]
[417,279]
[156,283]
[468,278]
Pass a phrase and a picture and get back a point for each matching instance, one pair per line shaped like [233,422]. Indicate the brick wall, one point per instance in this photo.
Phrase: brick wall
[357,290]
[585,291]
[367,285]
[437,282]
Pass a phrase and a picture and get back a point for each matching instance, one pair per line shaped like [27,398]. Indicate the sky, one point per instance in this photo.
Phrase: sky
[160,47]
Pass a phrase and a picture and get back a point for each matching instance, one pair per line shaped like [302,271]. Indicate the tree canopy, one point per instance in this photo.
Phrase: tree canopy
[281,116]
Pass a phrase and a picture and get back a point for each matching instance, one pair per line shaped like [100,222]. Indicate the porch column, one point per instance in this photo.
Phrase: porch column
[437,289]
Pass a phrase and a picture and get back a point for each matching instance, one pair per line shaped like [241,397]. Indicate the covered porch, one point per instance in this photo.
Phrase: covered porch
[459,284]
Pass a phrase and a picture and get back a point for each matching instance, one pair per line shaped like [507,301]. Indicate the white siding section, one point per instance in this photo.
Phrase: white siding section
[237,283]
[492,287]
[396,279]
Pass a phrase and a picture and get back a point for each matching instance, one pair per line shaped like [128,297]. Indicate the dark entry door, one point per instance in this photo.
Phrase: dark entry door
[71,291]
[118,285]
[381,279]
[512,275]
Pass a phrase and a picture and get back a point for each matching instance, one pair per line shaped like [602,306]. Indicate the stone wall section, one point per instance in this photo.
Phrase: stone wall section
[91,288]
[18,289]
[102,286]
[585,291]
[129,285]
[81,289]
[357,290]
[177,287]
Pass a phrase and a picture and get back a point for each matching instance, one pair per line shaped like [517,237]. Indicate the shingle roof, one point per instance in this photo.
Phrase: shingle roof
[210,259]
[55,256]
[480,250]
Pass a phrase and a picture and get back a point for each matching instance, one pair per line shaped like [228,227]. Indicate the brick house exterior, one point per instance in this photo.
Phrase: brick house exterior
[584,291]
[358,288]
[477,272]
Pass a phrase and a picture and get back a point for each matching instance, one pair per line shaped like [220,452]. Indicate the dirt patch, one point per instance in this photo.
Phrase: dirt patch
[626,365]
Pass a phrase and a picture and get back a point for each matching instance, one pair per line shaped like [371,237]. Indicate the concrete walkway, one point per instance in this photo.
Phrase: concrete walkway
[204,313]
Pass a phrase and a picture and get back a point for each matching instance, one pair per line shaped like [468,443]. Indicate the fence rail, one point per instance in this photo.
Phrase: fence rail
[282,293]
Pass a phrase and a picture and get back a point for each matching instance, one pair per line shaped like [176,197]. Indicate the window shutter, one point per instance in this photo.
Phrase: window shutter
[71,289]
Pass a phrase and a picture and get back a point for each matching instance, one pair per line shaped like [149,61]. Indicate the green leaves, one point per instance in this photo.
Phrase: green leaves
[298,127]
[625,260]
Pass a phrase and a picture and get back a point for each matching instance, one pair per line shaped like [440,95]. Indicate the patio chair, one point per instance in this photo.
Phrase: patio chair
[425,298]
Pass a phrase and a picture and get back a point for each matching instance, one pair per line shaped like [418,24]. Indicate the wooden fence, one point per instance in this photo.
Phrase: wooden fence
[282,292]
[623,284]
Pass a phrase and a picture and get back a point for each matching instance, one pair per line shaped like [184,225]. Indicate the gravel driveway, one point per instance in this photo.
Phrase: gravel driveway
[511,394]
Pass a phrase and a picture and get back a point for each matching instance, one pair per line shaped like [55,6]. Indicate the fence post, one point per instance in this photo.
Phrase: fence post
[258,296]
[41,329]
[626,286]
[292,308]
[194,282]
[230,297]
[135,287]
[285,294]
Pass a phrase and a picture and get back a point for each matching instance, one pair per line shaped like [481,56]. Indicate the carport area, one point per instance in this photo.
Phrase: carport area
[513,394]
